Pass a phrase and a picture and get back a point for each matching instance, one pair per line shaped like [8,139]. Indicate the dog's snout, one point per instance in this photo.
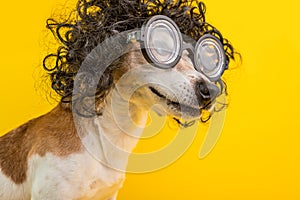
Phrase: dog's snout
[208,91]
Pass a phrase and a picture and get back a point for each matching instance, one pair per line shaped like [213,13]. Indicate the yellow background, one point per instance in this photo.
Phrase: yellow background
[258,154]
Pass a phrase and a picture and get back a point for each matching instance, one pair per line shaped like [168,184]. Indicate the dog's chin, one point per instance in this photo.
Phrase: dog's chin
[178,110]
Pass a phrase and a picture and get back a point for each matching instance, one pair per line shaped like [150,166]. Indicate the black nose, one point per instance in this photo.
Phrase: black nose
[208,91]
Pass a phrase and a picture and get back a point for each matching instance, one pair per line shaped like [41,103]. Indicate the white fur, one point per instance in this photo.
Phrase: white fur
[77,176]
[10,191]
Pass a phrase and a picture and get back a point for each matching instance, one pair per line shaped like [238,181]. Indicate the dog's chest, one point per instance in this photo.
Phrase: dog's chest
[77,176]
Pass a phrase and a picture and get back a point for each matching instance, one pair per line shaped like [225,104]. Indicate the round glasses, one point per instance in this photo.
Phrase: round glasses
[162,45]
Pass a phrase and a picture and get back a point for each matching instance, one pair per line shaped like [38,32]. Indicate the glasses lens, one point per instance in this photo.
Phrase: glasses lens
[163,43]
[210,57]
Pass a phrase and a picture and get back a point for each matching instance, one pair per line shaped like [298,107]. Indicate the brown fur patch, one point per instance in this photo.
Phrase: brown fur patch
[54,132]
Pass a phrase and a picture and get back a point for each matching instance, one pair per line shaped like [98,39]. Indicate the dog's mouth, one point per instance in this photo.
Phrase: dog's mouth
[175,104]
[191,114]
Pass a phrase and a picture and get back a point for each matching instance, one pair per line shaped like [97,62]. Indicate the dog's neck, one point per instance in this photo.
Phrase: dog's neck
[110,138]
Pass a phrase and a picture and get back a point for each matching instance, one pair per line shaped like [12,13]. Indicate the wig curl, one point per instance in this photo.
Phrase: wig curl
[96,20]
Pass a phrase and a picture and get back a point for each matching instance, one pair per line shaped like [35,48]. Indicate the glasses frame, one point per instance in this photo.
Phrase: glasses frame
[185,43]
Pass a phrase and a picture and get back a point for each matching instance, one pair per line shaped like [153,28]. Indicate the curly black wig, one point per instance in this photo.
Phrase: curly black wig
[96,20]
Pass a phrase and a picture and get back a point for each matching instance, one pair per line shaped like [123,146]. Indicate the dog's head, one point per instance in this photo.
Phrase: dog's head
[182,91]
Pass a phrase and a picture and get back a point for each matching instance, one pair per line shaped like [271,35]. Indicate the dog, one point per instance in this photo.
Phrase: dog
[47,158]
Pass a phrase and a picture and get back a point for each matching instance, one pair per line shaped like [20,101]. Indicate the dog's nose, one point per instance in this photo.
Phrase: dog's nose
[208,91]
